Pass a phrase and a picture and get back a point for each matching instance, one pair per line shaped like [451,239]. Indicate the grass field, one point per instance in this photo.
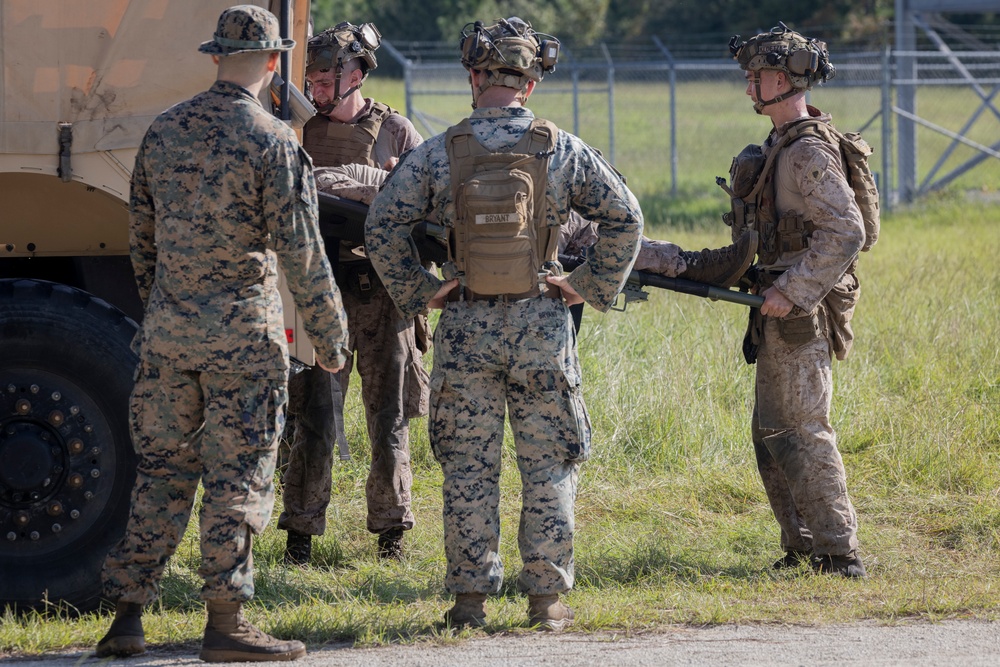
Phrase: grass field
[673,525]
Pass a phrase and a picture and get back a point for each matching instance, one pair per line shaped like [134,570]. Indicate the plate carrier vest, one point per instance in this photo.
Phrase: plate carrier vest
[753,194]
[332,144]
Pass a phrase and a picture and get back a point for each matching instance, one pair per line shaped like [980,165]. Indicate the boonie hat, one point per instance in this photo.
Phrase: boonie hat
[246,28]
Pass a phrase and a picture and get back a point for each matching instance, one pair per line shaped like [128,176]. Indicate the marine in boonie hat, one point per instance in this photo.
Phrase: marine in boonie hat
[245,28]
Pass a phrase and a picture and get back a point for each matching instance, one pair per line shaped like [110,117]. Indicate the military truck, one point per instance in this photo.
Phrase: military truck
[80,83]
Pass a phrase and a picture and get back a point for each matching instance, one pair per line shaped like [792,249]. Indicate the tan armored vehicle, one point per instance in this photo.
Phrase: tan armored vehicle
[80,83]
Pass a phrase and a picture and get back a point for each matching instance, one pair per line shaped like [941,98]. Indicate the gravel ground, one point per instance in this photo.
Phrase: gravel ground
[917,643]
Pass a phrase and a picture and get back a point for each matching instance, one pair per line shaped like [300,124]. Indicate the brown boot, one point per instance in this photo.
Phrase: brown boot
[469,610]
[231,638]
[548,612]
[722,267]
[390,544]
[298,548]
[849,565]
[125,636]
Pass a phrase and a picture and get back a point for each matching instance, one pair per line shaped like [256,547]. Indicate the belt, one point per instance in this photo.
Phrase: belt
[456,295]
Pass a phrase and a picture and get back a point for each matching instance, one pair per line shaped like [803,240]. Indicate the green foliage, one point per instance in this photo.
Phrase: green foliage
[585,22]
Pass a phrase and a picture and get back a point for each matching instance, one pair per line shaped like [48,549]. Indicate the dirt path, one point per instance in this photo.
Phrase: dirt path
[918,643]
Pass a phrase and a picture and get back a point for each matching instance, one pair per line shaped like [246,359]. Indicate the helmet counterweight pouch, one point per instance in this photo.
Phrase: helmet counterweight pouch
[499,240]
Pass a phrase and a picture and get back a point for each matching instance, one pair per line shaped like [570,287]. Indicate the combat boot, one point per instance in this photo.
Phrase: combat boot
[229,637]
[792,559]
[722,267]
[469,610]
[390,544]
[125,637]
[298,548]
[548,612]
[849,566]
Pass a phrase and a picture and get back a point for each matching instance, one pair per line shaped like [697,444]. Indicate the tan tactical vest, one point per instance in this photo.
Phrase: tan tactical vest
[753,192]
[331,144]
[500,241]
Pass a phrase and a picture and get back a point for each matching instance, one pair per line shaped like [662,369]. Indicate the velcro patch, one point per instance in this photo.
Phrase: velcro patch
[497,218]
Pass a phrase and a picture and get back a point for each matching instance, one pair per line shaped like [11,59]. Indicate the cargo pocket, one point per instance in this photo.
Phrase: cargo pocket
[263,421]
[839,305]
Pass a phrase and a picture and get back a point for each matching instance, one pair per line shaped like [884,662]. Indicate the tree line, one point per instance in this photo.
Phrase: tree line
[580,23]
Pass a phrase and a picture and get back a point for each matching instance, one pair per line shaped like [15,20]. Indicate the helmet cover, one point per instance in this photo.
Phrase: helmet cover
[344,42]
[509,51]
[806,61]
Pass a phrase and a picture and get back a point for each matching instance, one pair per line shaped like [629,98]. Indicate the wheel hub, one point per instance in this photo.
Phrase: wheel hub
[53,473]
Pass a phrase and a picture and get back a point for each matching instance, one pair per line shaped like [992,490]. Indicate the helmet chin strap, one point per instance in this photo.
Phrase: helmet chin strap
[327,109]
[759,103]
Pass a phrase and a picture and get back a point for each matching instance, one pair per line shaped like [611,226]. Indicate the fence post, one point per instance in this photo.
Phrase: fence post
[889,195]
[407,66]
[611,103]
[576,97]
[906,100]
[672,65]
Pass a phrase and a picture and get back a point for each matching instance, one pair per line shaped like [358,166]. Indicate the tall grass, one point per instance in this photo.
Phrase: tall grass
[673,525]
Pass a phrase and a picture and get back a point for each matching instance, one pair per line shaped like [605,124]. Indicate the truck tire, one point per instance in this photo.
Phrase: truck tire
[67,465]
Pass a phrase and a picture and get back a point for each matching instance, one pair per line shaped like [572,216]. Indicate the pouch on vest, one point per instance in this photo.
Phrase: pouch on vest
[743,173]
[501,249]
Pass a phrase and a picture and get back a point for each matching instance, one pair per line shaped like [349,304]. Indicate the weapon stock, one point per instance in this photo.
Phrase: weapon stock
[637,280]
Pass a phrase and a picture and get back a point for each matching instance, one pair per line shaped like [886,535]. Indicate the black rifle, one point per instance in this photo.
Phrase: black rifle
[637,280]
[341,218]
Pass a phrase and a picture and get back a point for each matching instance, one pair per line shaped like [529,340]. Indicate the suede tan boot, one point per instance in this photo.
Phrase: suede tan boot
[231,638]
[469,610]
[548,612]
[125,637]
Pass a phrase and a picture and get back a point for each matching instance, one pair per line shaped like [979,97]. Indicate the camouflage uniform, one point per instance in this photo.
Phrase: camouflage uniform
[662,257]
[222,194]
[492,356]
[394,383]
[796,448]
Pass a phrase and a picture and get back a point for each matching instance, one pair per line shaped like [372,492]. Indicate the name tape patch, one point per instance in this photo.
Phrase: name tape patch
[497,218]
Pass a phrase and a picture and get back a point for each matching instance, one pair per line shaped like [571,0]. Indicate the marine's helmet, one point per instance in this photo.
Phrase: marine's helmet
[342,43]
[509,51]
[806,61]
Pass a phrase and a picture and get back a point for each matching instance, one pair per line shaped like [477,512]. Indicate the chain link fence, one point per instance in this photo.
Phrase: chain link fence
[670,120]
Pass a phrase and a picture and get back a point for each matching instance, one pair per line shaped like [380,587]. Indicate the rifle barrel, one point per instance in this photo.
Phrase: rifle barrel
[703,290]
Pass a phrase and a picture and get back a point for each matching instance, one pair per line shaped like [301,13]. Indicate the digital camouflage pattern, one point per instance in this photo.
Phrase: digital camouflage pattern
[382,345]
[579,179]
[796,448]
[519,358]
[213,214]
[221,195]
[219,429]
[662,257]
[244,28]
[496,356]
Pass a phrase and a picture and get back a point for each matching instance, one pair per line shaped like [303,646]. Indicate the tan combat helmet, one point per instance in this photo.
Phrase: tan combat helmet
[510,52]
[806,61]
[333,47]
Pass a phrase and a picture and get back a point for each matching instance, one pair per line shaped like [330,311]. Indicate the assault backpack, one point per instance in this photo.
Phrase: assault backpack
[751,169]
[500,240]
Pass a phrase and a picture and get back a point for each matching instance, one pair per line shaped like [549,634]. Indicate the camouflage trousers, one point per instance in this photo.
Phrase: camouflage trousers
[220,429]
[518,358]
[796,447]
[394,389]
